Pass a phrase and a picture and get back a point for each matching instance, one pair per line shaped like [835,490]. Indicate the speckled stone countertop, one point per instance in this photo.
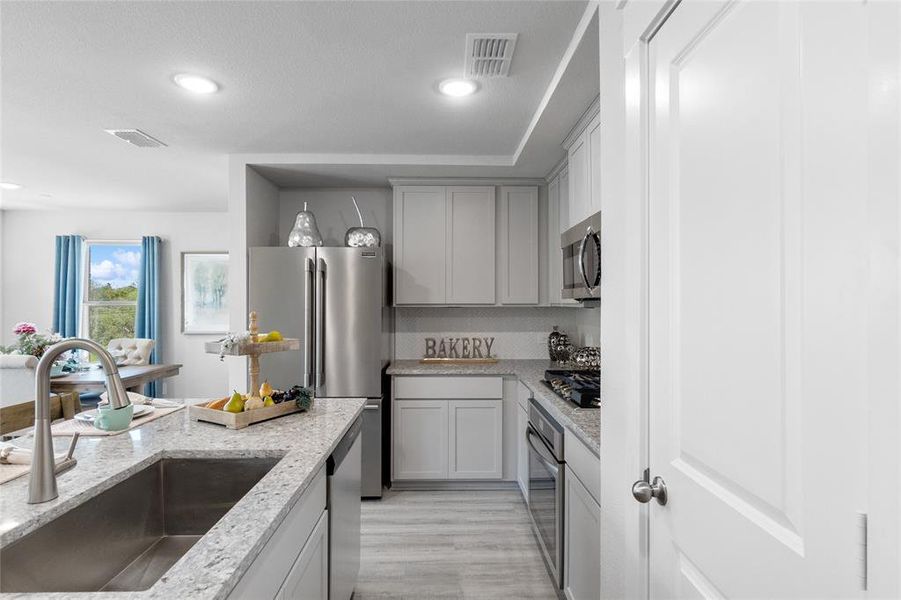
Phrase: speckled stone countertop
[214,565]
[585,423]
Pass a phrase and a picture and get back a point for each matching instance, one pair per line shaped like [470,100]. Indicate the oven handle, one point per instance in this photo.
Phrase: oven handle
[588,285]
[549,465]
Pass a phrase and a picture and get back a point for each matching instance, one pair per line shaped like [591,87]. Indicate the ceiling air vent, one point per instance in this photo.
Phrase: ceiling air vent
[489,54]
[136,137]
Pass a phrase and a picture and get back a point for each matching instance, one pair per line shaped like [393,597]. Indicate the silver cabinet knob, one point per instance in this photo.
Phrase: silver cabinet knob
[644,491]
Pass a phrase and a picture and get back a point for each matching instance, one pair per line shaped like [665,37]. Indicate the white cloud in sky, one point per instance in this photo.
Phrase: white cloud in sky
[129,258]
[117,274]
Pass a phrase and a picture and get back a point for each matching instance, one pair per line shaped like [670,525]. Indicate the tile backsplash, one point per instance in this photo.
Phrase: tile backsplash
[519,332]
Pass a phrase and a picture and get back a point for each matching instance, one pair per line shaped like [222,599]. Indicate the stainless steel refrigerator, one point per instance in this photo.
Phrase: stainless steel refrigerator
[334,301]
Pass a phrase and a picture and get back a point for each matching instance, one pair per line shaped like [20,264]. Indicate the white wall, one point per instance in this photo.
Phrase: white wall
[26,277]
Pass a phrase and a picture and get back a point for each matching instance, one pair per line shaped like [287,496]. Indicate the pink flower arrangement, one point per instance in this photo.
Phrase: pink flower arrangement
[25,328]
[29,341]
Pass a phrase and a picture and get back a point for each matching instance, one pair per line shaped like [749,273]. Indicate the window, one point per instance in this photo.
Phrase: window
[110,298]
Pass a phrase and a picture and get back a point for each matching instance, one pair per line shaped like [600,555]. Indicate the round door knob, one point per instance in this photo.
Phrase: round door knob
[644,491]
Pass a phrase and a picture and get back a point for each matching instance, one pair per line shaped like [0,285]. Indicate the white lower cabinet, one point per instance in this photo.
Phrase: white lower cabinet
[475,436]
[419,439]
[446,428]
[308,579]
[522,452]
[294,562]
[582,535]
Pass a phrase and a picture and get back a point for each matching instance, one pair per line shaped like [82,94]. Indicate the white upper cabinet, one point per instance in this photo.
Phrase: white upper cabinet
[594,166]
[420,258]
[458,245]
[444,245]
[518,245]
[579,183]
[557,213]
[470,250]
[584,163]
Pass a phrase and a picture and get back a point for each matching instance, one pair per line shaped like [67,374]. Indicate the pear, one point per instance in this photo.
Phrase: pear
[235,403]
[265,389]
[268,401]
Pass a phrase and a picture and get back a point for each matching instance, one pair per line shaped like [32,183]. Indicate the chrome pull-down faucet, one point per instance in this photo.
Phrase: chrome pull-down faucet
[42,482]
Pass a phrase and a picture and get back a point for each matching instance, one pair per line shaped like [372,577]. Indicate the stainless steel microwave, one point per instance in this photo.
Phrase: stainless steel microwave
[581,246]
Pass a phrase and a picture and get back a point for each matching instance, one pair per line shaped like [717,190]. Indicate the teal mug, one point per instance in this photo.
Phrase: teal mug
[110,419]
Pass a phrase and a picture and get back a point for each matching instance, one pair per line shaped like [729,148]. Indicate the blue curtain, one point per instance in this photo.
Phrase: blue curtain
[67,285]
[147,317]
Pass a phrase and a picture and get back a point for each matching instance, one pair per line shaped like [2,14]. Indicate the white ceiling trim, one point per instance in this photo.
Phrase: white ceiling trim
[587,16]
[450,160]
[396,181]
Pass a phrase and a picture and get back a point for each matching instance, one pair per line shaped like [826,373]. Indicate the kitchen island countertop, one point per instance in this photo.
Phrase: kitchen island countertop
[585,423]
[214,565]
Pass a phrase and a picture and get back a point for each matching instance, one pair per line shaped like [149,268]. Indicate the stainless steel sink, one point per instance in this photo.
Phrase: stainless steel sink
[127,537]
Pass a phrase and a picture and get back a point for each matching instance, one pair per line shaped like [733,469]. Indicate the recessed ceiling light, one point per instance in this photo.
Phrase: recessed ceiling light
[9,185]
[196,83]
[457,87]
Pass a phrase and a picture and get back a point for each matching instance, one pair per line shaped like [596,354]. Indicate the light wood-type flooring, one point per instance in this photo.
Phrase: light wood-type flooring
[427,545]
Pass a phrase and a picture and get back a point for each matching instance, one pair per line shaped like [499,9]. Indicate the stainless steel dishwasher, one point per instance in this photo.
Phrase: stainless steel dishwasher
[344,481]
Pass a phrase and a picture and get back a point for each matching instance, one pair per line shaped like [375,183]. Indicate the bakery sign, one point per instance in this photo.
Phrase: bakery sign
[459,347]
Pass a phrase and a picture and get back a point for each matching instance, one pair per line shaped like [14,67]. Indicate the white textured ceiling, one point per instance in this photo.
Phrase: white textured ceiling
[296,77]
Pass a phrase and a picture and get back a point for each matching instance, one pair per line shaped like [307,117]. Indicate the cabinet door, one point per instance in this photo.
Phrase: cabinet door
[420,230]
[419,439]
[594,166]
[579,182]
[582,579]
[519,245]
[308,578]
[476,435]
[522,452]
[557,213]
[471,245]
[564,218]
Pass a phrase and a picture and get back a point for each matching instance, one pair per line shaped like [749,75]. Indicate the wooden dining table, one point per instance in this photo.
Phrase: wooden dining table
[133,378]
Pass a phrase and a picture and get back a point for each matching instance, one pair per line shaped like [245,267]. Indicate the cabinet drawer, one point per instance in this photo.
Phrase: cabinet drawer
[456,388]
[582,461]
[265,576]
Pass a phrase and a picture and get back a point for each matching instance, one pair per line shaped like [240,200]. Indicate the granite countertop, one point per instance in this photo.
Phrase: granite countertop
[585,423]
[213,566]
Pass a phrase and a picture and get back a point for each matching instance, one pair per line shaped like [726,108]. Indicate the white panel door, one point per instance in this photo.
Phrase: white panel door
[420,259]
[471,245]
[419,439]
[751,392]
[308,578]
[476,436]
[519,245]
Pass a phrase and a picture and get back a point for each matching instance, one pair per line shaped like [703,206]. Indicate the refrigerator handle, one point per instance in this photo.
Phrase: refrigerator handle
[307,324]
[320,326]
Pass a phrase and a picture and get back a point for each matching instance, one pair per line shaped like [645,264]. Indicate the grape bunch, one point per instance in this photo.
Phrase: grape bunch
[299,394]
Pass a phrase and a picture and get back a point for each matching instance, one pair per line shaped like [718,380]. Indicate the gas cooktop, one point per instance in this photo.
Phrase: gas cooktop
[581,387]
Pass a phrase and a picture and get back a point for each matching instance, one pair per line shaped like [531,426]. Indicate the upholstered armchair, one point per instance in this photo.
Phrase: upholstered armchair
[130,351]
[17,373]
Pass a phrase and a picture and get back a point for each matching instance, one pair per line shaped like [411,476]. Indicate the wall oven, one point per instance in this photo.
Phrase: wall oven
[546,472]
[582,260]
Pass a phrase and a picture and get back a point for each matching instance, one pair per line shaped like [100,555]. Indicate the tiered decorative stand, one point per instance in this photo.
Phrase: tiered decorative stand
[252,349]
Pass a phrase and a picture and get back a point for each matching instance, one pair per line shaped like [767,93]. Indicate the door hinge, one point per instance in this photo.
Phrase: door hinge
[862,550]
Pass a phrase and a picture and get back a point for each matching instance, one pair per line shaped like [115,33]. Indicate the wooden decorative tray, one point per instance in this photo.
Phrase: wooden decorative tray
[242,419]
[458,361]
